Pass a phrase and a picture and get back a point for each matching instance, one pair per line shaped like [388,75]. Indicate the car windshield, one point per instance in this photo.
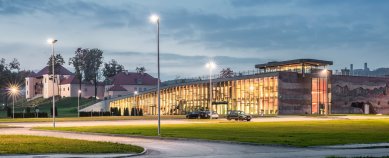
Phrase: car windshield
[241,112]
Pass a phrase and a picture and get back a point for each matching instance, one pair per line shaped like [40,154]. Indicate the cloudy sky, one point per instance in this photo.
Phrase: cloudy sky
[235,33]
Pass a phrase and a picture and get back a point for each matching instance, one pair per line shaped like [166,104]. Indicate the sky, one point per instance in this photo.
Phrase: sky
[234,33]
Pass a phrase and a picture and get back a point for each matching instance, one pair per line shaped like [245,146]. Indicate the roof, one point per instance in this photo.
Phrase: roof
[70,80]
[45,71]
[133,78]
[74,80]
[314,62]
[117,88]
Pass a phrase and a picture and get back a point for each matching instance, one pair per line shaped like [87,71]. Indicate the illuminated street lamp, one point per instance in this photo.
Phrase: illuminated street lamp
[155,19]
[52,42]
[13,91]
[78,109]
[324,73]
[210,65]
[134,105]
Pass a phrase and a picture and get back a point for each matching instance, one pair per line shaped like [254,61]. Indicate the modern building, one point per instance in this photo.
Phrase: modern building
[302,86]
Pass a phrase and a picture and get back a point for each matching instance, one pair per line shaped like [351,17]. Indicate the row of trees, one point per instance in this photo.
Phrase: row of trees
[87,63]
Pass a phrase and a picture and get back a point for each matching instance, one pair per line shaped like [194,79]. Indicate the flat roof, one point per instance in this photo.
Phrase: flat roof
[314,62]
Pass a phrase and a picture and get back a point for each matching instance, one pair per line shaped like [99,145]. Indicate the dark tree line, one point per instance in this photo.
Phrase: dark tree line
[10,74]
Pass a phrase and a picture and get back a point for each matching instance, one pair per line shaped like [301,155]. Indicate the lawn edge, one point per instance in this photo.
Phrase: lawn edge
[173,138]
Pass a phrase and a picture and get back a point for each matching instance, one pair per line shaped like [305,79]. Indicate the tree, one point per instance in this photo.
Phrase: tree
[78,63]
[14,65]
[226,73]
[112,68]
[93,60]
[58,62]
[140,70]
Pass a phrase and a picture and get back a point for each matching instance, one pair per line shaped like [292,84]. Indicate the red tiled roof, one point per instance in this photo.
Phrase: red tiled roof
[62,71]
[117,88]
[133,78]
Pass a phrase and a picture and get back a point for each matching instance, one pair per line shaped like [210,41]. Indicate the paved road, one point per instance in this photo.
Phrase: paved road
[184,121]
[182,148]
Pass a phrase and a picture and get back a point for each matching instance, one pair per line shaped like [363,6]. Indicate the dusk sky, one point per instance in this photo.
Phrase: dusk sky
[235,33]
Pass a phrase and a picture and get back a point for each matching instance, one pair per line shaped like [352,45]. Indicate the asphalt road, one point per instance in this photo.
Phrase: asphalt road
[189,148]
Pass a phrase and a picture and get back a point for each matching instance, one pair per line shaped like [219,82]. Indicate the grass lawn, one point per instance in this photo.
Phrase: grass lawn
[66,107]
[21,144]
[298,133]
[97,118]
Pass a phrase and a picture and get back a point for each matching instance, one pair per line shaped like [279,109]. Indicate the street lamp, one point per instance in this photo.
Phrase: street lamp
[134,105]
[210,65]
[14,91]
[52,42]
[78,108]
[155,19]
[324,73]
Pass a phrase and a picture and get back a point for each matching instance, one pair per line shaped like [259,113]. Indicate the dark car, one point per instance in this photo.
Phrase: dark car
[207,115]
[193,115]
[238,115]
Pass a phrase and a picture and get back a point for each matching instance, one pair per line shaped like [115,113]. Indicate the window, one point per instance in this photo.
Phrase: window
[144,89]
[27,83]
[135,88]
[68,88]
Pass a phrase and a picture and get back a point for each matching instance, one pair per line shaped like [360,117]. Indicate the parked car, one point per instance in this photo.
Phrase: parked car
[238,115]
[193,115]
[207,115]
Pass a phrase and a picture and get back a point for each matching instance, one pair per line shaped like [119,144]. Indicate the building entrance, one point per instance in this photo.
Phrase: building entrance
[319,96]
[220,107]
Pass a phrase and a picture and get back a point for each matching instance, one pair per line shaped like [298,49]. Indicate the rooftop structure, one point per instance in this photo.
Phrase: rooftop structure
[298,65]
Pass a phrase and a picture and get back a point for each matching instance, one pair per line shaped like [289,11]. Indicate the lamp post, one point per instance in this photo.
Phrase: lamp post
[134,105]
[78,108]
[14,91]
[52,42]
[325,74]
[155,19]
[210,65]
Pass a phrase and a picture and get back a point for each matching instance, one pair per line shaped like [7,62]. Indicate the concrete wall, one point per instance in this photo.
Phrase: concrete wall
[354,90]
[294,93]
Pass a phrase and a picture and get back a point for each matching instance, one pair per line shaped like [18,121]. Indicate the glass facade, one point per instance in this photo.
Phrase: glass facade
[320,96]
[252,95]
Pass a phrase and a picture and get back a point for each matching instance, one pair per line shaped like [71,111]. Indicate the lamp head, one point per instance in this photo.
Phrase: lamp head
[154,18]
[210,65]
[51,41]
[136,92]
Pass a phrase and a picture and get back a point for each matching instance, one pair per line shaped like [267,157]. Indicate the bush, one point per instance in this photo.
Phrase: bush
[30,115]
[90,114]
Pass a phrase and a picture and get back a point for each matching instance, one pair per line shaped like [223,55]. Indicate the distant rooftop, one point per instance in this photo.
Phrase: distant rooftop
[45,71]
[306,62]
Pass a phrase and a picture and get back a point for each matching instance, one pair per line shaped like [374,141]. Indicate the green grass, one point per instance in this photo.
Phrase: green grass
[98,118]
[66,107]
[298,133]
[21,144]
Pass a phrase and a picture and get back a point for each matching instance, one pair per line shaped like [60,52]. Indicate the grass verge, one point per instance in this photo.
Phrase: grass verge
[298,133]
[21,144]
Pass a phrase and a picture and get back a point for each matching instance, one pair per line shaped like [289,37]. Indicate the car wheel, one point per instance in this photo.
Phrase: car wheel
[248,120]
